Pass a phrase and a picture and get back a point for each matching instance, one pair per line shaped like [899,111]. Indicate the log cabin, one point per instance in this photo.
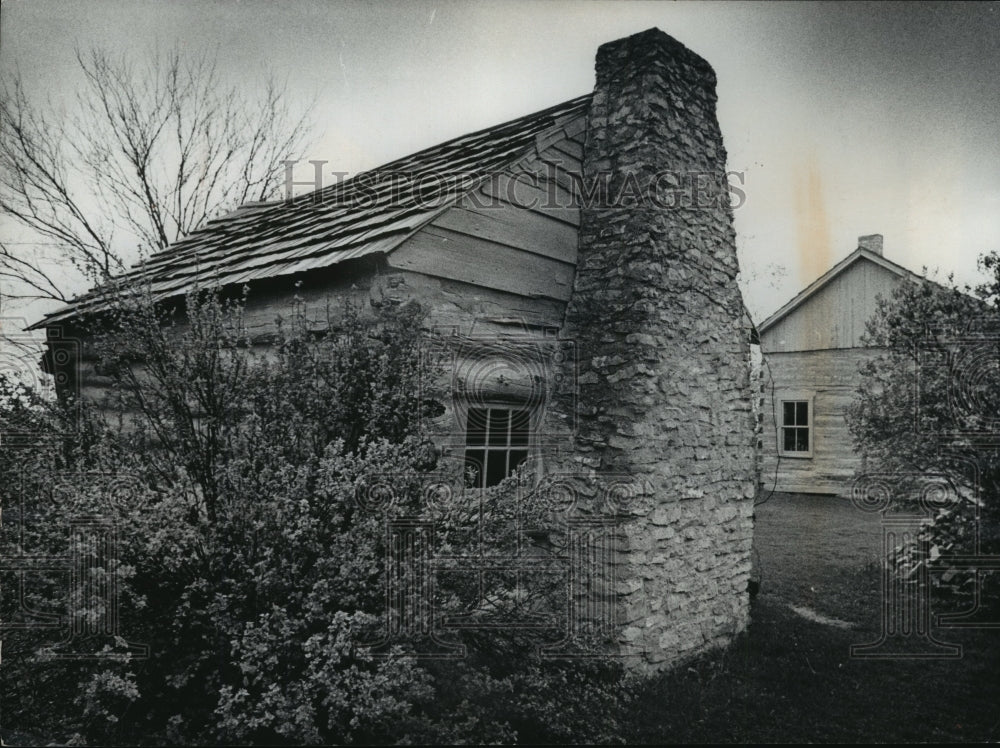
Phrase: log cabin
[579,270]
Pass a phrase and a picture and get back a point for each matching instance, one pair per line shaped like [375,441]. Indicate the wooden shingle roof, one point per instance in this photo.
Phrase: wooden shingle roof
[372,212]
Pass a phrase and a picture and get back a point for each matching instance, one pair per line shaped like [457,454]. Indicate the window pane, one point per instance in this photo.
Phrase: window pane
[474,462]
[801,414]
[788,414]
[788,436]
[517,456]
[801,440]
[496,466]
[499,423]
[496,443]
[476,427]
[520,422]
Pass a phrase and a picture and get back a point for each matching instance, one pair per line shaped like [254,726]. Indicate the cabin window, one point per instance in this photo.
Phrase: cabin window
[496,442]
[796,428]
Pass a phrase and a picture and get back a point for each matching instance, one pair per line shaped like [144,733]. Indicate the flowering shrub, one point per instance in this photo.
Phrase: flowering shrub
[248,566]
[927,413]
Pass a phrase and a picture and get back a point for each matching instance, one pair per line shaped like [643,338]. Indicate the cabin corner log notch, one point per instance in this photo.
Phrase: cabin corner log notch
[664,384]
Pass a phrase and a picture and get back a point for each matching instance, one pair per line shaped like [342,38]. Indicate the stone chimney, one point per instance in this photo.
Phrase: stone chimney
[664,390]
[871,242]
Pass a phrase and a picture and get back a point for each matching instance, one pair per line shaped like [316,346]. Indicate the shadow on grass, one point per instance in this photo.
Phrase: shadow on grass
[791,679]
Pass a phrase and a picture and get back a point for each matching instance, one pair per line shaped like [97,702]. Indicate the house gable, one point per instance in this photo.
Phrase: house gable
[833,311]
[507,251]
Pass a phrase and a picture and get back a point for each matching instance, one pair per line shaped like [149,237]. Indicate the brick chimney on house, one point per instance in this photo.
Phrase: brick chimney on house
[664,372]
[871,242]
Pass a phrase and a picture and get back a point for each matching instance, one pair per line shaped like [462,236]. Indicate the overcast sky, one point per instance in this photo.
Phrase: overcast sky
[847,118]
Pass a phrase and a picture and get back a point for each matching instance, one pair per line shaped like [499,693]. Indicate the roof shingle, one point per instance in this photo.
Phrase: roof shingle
[372,212]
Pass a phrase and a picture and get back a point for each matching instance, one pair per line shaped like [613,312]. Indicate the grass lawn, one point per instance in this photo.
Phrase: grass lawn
[790,678]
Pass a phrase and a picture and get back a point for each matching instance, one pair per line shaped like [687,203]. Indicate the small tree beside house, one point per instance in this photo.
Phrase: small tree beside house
[927,414]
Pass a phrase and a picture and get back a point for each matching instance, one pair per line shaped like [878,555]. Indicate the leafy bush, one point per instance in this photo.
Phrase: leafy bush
[926,412]
[247,563]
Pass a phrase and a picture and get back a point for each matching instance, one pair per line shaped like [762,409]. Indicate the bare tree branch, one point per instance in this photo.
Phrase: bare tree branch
[152,151]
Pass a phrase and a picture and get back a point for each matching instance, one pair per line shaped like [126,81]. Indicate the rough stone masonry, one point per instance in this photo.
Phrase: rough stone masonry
[664,370]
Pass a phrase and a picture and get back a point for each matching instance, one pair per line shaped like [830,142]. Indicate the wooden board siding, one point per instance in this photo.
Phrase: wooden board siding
[831,378]
[518,235]
[469,309]
[447,254]
[452,305]
[835,316]
[516,228]
[459,307]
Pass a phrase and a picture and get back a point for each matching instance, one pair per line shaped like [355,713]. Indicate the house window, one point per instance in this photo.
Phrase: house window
[496,442]
[796,428]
